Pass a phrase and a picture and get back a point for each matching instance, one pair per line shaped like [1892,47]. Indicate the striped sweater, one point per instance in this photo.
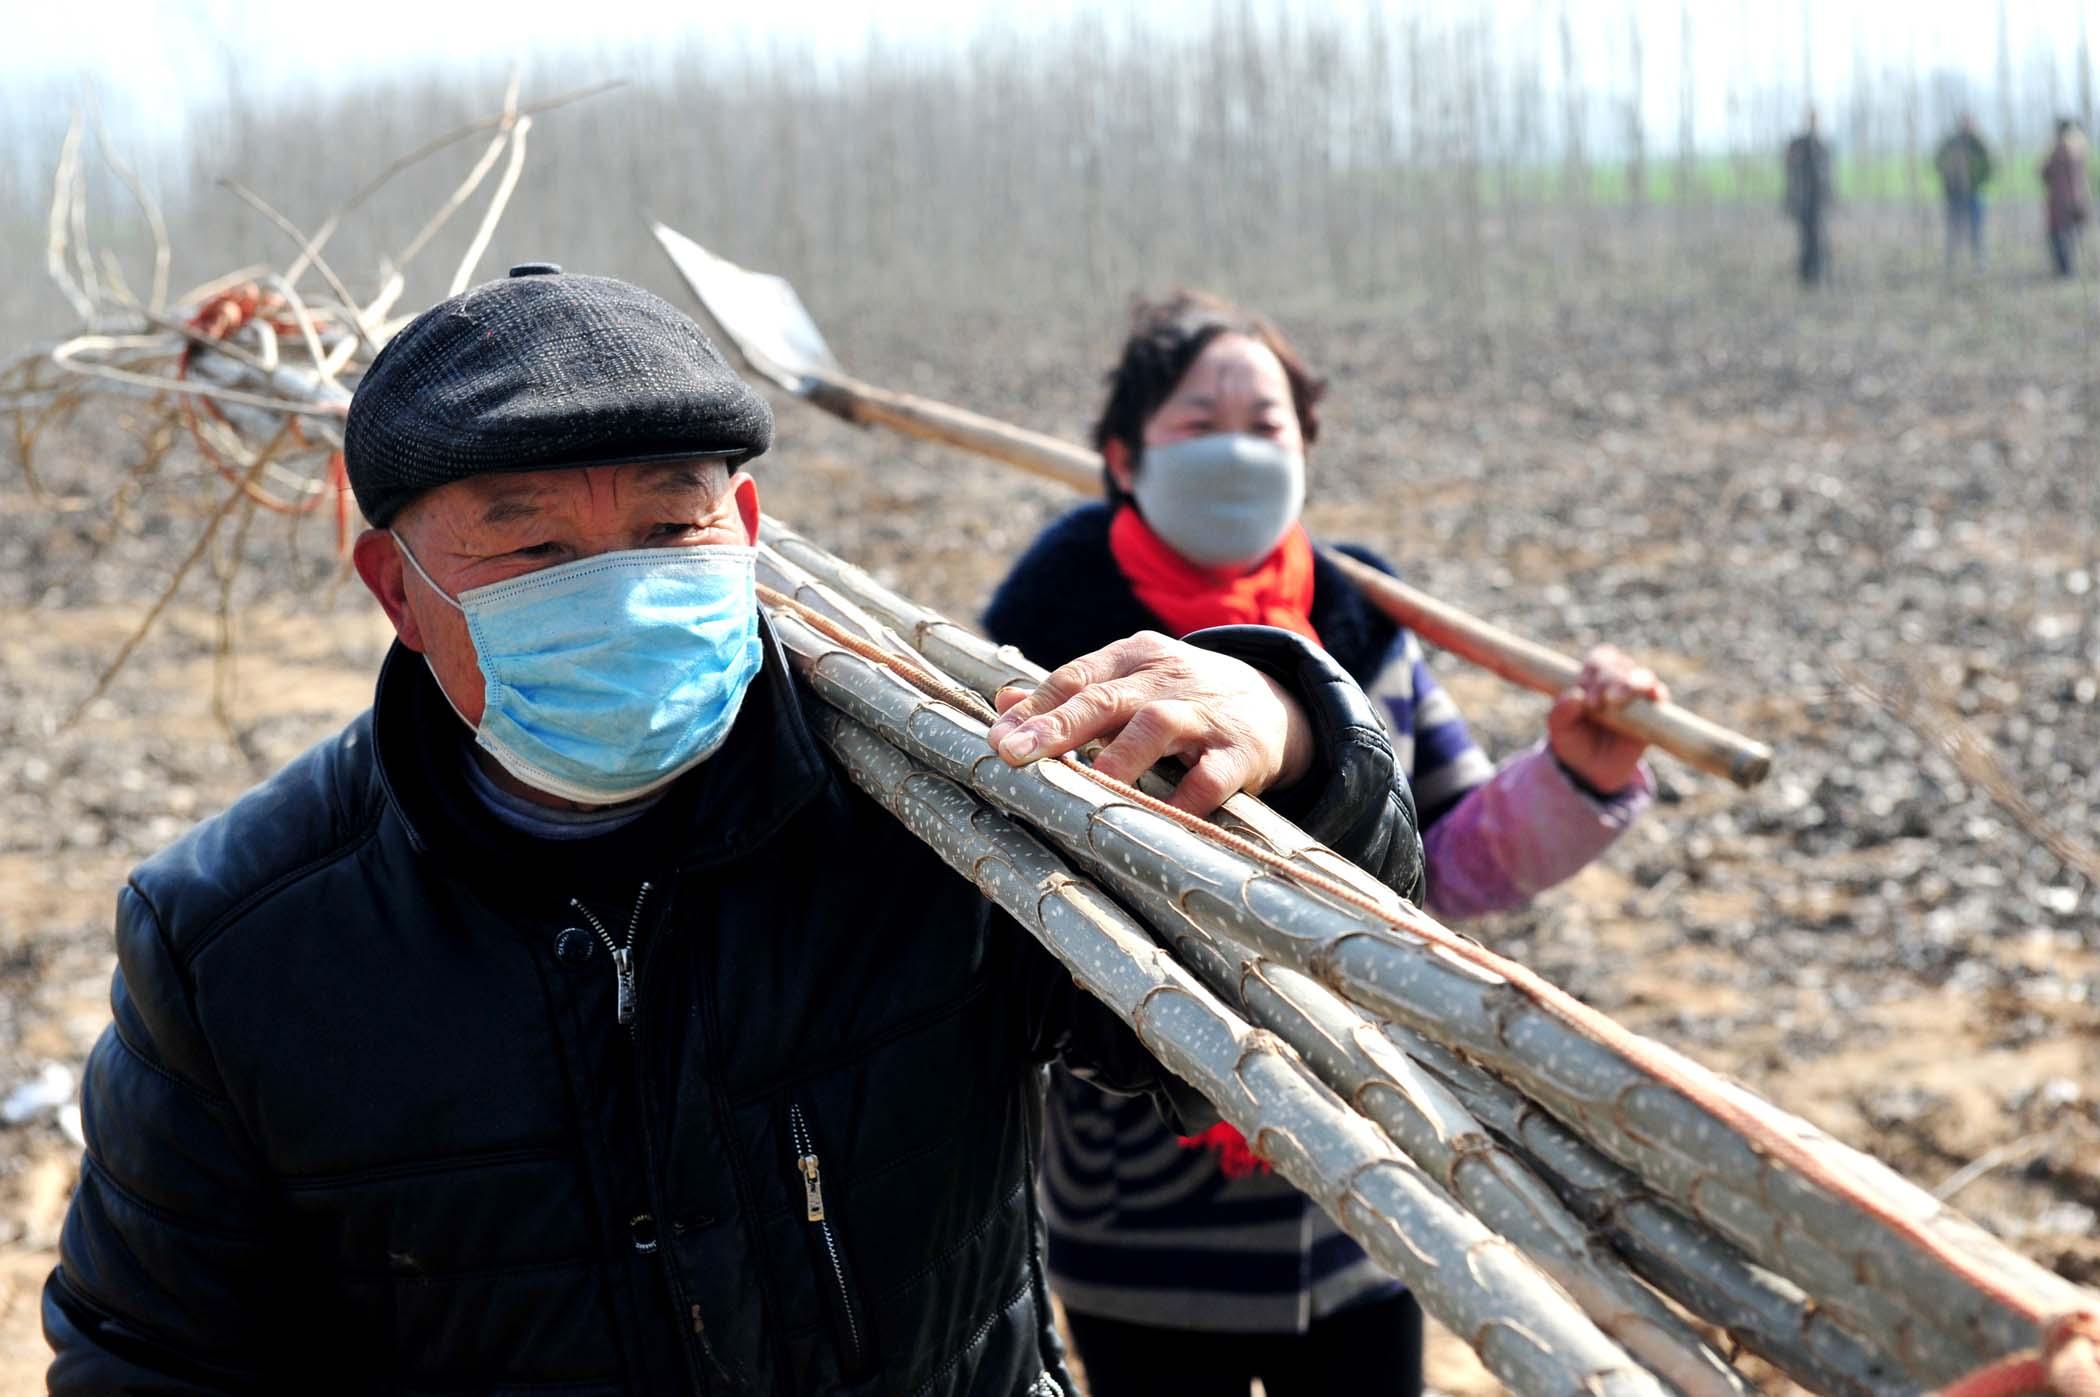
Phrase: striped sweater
[1142,1229]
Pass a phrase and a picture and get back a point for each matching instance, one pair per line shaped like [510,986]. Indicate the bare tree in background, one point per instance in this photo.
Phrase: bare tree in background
[1574,114]
[1687,110]
[2085,75]
[2007,129]
[1444,159]
[1913,135]
[1636,125]
[1471,47]
[1808,51]
[1741,123]
[1421,190]
[1376,155]
[1859,112]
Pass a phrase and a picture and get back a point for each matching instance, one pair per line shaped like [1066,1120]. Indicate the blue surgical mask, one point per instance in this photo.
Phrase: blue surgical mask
[1221,501]
[613,675]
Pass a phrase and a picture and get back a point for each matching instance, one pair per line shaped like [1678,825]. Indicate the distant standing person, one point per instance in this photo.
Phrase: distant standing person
[1808,198]
[1964,165]
[2069,194]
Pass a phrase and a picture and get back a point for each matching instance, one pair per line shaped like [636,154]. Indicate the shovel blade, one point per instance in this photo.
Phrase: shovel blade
[760,313]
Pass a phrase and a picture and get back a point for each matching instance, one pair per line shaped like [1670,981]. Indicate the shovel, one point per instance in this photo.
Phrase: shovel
[767,322]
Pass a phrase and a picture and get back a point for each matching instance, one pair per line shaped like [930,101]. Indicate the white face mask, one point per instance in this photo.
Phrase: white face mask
[1221,501]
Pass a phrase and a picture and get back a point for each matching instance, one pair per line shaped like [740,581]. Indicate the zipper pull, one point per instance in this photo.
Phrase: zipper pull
[623,974]
[812,1188]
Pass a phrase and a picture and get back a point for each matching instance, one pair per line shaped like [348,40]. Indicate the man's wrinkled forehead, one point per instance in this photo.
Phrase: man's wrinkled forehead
[497,499]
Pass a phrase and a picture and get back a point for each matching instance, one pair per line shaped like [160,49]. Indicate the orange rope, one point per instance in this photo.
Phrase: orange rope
[922,679]
[219,317]
[2072,1343]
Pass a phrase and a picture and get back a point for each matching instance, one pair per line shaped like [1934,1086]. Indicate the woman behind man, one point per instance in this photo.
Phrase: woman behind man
[1185,1266]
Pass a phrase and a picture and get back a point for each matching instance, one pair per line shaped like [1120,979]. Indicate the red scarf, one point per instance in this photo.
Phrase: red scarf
[1236,1158]
[1277,591]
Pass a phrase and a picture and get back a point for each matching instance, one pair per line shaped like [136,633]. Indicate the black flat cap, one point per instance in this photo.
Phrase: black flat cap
[542,371]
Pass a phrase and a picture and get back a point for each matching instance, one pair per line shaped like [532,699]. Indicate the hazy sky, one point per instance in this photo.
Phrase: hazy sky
[152,60]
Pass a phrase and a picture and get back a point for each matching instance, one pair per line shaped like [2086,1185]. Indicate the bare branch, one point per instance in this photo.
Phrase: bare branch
[303,318]
[204,291]
[77,231]
[1938,722]
[429,148]
[61,209]
[395,282]
[113,271]
[158,225]
[64,356]
[489,220]
[453,204]
[182,570]
[335,283]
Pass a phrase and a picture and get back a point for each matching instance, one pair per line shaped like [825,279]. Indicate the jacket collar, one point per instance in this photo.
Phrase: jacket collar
[767,770]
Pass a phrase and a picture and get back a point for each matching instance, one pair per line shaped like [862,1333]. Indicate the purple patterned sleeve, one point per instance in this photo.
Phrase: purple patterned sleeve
[1521,832]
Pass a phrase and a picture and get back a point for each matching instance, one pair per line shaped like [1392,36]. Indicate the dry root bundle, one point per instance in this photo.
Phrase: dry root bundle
[250,370]
[1592,1212]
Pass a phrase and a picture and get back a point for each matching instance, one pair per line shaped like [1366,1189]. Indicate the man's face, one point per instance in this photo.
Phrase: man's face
[492,528]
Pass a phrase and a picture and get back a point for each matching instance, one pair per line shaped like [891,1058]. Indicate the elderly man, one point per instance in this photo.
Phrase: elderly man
[568,1023]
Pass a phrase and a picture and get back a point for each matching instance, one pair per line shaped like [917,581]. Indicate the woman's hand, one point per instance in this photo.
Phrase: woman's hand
[1236,728]
[1604,758]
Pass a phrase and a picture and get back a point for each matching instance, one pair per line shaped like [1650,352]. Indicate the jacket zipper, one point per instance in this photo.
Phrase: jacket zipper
[626,1001]
[622,955]
[808,1166]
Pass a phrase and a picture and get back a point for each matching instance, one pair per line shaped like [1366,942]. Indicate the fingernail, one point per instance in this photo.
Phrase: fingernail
[1018,745]
[998,731]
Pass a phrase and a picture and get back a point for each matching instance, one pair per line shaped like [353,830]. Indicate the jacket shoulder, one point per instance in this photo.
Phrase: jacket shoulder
[1066,595]
[320,806]
[1073,548]
[1354,631]
[1367,555]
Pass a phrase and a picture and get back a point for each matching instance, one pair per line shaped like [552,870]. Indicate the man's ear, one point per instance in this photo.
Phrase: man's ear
[746,490]
[1116,456]
[380,568]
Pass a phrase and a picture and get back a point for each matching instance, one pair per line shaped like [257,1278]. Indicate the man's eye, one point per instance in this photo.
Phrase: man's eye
[535,550]
[674,530]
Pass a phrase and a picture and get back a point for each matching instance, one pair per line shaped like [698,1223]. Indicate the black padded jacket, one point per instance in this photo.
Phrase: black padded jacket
[366,1120]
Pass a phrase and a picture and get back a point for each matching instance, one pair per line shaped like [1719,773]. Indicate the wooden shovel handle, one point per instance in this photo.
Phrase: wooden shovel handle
[1708,746]
[1678,731]
[1036,452]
